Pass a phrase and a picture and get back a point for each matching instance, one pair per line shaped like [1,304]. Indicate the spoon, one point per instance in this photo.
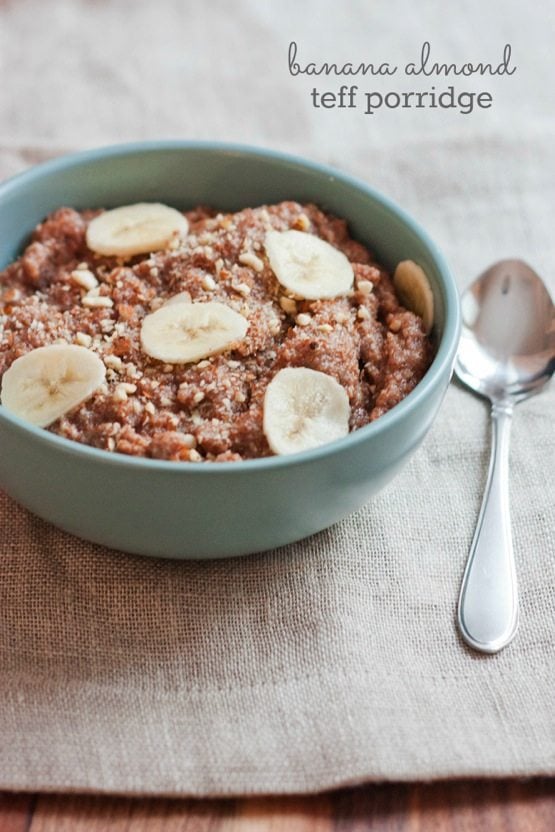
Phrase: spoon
[506,354]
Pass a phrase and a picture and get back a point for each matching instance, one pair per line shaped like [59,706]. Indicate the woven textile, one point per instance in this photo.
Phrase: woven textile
[334,660]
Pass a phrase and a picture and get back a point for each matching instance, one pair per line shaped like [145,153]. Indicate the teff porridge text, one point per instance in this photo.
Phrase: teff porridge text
[350,97]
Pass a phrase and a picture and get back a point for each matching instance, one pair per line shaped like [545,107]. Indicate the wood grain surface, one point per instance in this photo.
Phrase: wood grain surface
[470,806]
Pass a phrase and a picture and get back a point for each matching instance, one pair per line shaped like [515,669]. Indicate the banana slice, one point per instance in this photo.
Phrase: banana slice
[303,409]
[49,381]
[308,266]
[414,291]
[135,229]
[179,333]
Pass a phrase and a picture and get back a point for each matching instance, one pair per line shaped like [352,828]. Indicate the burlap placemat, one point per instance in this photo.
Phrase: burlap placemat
[337,659]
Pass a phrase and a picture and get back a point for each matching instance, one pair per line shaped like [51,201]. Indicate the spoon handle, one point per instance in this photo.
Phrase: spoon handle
[488,603]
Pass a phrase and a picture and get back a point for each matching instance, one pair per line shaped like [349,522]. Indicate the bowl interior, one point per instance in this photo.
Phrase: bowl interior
[226,178]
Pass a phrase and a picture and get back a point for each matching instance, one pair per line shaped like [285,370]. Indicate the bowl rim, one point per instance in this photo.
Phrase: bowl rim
[443,360]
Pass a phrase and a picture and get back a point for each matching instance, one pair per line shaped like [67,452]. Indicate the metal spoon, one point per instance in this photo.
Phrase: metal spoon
[506,353]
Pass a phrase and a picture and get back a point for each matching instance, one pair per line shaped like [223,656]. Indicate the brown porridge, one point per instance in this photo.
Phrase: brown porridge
[60,291]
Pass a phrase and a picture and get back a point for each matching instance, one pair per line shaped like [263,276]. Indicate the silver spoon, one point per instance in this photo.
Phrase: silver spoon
[506,353]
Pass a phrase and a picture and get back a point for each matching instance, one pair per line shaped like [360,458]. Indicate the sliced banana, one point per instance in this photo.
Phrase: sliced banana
[179,333]
[303,409]
[48,382]
[414,291]
[135,229]
[308,266]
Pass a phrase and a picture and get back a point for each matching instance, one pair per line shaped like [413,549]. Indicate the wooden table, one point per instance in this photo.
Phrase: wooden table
[471,806]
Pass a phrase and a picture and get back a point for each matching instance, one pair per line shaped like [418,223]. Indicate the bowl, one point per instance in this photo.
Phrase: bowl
[207,510]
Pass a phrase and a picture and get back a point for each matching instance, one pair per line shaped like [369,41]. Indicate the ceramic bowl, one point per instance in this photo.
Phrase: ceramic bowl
[199,510]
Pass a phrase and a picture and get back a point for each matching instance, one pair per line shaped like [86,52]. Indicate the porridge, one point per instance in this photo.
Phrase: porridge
[205,336]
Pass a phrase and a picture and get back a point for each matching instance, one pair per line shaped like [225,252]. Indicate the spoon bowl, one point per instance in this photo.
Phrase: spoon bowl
[508,337]
[506,354]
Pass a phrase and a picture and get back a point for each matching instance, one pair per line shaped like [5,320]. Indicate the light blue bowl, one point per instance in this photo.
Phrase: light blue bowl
[199,510]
